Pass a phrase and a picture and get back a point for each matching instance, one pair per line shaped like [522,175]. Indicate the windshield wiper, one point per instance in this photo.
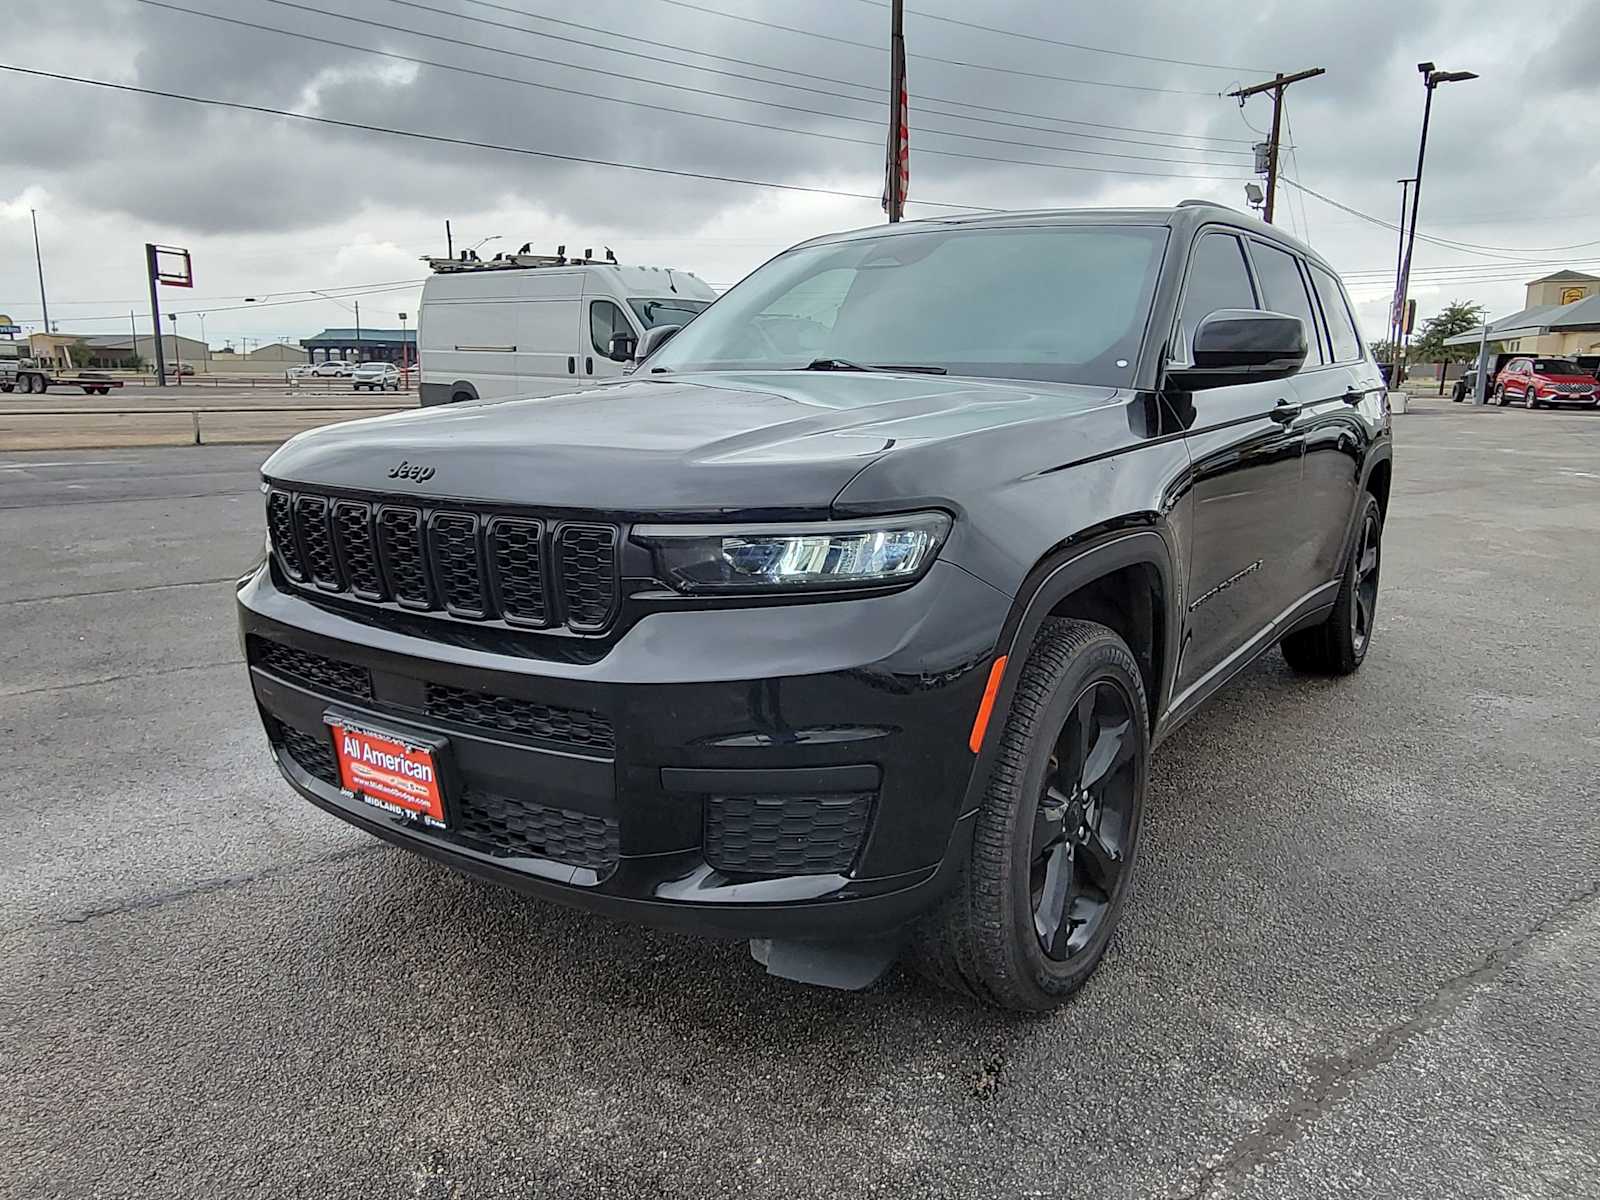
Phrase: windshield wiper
[844,364]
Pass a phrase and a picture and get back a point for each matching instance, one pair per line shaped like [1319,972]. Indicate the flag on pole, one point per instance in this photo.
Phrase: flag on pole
[897,167]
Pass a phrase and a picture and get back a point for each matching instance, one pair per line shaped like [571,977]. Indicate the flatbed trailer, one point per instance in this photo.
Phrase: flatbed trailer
[18,373]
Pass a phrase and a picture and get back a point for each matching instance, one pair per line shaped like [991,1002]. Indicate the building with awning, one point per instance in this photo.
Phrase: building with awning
[1562,319]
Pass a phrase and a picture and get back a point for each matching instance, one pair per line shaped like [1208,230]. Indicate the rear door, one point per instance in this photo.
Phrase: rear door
[1338,431]
[1323,422]
[1246,485]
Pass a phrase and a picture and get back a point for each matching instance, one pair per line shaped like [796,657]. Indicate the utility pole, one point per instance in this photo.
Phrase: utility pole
[894,199]
[133,346]
[38,261]
[155,313]
[1275,85]
[358,331]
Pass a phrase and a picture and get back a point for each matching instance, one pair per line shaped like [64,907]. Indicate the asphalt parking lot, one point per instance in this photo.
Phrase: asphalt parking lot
[1363,957]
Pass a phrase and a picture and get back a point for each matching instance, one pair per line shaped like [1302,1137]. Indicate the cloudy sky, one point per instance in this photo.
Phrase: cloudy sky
[272,207]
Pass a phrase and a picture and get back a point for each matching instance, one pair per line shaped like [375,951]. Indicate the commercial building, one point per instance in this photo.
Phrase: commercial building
[363,345]
[1561,318]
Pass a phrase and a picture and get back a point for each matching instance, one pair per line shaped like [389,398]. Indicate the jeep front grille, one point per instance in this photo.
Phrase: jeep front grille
[455,560]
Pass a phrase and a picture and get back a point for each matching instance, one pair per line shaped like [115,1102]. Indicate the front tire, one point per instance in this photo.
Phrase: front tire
[1500,395]
[1530,397]
[1338,645]
[1052,853]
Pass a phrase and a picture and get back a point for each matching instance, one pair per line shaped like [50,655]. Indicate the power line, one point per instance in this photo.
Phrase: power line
[953,62]
[445,140]
[190,312]
[872,100]
[871,122]
[814,133]
[1447,243]
[261,296]
[1035,37]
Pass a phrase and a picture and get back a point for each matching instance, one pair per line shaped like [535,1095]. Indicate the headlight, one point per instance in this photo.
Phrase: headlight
[815,556]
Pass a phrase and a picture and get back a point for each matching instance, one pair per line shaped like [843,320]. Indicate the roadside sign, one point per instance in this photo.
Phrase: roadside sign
[8,327]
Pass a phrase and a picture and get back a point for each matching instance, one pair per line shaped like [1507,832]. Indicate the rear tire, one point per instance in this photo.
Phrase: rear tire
[1338,645]
[1053,847]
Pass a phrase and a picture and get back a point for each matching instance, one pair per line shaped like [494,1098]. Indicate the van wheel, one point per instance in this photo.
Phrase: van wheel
[460,398]
[1052,853]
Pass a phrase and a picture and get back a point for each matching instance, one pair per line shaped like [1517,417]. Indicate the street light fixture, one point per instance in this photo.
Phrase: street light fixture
[1431,78]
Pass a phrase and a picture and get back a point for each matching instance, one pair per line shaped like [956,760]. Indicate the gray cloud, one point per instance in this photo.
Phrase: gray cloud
[130,163]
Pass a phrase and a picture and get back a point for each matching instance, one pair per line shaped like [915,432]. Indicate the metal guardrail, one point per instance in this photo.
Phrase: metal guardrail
[195,413]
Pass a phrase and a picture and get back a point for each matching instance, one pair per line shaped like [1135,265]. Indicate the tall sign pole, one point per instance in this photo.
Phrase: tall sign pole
[897,155]
[38,261]
[155,314]
[1275,85]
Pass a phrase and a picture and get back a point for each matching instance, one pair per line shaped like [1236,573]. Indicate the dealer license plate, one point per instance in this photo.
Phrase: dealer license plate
[389,771]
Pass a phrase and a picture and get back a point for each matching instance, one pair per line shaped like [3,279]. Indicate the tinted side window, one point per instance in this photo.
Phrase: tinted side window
[1285,291]
[1341,325]
[605,318]
[1218,278]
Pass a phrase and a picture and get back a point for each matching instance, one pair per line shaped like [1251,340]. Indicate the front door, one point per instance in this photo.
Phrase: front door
[606,318]
[1245,487]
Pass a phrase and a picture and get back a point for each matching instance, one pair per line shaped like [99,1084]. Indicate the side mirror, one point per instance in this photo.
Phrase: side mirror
[656,338]
[622,346]
[1238,345]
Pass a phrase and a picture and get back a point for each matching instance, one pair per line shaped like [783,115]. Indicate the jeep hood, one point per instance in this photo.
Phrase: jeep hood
[711,444]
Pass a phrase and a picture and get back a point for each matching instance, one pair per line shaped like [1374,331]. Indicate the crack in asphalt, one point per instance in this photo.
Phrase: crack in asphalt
[1335,1078]
[220,883]
[151,674]
[123,591]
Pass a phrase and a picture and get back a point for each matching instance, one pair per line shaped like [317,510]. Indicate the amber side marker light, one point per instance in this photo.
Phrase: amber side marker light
[986,705]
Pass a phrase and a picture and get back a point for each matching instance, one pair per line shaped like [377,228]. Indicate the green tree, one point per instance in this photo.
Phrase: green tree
[1459,316]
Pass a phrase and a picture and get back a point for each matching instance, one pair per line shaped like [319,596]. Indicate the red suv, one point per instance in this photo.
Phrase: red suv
[1539,381]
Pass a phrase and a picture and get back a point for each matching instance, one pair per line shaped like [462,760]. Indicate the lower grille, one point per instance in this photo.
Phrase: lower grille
[505,714]
[507,826]
[312,670]
[786,835]
[312,755]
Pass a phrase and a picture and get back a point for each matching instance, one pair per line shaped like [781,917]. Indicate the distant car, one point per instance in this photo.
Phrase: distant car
[299,371]
[333,369]
[376,377]
[180,369]
[1552,381]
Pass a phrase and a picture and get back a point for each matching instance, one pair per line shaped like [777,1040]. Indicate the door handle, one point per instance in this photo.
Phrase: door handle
[1284,412]
[572,365]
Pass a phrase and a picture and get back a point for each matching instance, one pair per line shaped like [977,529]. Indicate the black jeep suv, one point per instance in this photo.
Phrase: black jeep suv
[848,623]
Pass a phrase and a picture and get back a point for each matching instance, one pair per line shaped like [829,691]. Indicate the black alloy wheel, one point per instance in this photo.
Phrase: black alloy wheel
[1082,829]
[1369,555]
[1057,829]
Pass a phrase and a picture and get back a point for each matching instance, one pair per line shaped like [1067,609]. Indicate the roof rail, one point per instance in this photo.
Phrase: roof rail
[1203,204]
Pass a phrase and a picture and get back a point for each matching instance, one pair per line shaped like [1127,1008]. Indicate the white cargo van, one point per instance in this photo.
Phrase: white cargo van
[534,325]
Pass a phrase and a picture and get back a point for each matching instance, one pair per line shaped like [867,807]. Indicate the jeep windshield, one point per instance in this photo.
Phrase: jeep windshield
[1065,303]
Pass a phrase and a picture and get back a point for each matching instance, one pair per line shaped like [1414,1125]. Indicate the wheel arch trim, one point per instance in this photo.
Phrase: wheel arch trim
[1054,578]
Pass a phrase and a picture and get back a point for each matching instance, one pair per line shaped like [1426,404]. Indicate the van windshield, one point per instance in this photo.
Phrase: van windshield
[673,311]
[1066,303]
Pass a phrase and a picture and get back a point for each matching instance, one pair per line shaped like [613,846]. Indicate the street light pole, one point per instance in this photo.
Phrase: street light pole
[1431,79]
[1399,265]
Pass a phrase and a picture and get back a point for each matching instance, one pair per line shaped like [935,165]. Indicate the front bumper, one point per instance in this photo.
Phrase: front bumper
[796,771]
